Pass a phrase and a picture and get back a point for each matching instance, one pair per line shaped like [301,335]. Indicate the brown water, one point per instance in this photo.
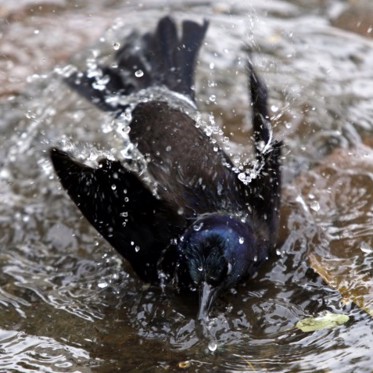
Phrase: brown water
[67,301]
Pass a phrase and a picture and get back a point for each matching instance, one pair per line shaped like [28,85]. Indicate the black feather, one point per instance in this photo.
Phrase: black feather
[203,226]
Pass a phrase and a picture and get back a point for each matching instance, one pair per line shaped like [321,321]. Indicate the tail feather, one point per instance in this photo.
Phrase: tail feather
[193,35]
[154,59]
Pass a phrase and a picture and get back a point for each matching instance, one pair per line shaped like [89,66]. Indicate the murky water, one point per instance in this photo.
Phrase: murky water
[67,301]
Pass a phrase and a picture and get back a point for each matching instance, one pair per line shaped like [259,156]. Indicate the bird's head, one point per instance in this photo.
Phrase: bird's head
[217,251]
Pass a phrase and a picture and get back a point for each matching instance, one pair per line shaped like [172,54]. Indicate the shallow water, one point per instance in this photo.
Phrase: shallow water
[67,301]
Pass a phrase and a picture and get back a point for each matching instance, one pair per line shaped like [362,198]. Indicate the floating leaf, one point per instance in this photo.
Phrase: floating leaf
[327,321]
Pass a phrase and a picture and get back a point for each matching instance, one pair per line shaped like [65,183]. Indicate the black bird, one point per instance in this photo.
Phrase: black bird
[195,220]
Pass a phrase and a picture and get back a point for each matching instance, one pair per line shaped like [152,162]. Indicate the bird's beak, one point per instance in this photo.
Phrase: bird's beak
[206,298]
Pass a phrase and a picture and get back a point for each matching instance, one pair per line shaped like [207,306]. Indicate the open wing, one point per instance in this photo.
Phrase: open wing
[122,209]
[263,190]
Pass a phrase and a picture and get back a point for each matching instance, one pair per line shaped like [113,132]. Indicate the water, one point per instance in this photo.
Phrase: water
[67,301]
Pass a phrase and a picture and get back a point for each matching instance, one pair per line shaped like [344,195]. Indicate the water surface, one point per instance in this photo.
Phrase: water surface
[67,301]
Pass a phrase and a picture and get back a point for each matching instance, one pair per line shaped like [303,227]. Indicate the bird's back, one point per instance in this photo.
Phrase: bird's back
[191,172]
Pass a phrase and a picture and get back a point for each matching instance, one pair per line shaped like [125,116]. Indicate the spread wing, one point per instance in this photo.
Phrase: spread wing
[122,209]
[263,192]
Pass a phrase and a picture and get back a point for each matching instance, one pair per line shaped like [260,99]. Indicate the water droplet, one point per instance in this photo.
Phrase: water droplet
[242,176]
[197,227]
[101,82]
[200,268]
[208,131]
[115,276]
[274,109]
[30,115]
[212,346]
[315,206]
[137,248]
[260,145]
[168,148]
[365,248]
[116,46]
[241,240]
[113,187]
[255,258]
[229,269]
[102,285]
[139,73]
[212,98]
[212,66]
[211,83]
[180,211]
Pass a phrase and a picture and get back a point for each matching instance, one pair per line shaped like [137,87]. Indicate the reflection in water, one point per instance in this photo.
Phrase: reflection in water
[66,298]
